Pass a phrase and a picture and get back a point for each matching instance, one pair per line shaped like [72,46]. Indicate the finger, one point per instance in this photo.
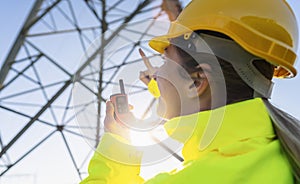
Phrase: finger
[144,77]
[106,128]
[146,60]
[145,80]
[144,73]
[110,109]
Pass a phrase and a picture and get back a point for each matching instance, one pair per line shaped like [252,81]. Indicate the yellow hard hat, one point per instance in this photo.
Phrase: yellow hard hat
[265,28]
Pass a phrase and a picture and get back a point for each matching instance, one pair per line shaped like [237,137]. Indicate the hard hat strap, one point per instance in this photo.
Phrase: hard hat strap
[230,51]
[242,62]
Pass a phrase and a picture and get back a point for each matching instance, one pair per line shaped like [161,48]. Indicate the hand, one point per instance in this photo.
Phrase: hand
[111,125]
[145,76]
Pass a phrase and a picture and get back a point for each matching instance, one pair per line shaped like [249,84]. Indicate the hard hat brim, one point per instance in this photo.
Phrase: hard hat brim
[278,54]
[160,43]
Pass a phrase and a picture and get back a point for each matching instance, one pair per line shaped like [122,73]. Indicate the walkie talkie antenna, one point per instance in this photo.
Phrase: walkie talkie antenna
[122,89]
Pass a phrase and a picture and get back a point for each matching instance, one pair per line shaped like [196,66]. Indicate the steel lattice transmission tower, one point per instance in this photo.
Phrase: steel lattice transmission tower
[51,50]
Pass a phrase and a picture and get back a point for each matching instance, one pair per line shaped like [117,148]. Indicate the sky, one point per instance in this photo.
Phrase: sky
[13,13]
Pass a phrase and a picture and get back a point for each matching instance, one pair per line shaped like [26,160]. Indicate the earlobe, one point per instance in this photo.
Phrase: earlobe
[203,85]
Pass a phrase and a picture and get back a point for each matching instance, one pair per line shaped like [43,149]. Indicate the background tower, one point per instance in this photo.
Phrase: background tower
[39,137]
[61,41]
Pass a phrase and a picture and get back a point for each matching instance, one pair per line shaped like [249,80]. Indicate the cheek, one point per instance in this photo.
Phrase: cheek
[161,85]
[165,87]
[168,92]
[175,85]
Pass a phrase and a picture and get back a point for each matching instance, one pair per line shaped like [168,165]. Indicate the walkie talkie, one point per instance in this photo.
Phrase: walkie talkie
[120,101]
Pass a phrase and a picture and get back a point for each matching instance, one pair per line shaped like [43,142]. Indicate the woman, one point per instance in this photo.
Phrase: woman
[250,141]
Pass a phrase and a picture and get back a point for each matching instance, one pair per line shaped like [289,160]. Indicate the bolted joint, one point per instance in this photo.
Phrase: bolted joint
[60,127]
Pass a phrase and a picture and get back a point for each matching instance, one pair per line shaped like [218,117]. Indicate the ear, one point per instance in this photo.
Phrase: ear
[199,86]
[200,82]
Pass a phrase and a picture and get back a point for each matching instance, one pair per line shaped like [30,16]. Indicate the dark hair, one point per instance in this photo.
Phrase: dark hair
[237,90]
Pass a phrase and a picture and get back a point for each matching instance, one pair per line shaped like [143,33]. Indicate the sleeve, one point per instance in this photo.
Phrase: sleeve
[114,162]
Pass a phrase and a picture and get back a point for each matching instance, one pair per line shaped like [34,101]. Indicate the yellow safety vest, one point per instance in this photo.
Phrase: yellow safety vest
[245,150]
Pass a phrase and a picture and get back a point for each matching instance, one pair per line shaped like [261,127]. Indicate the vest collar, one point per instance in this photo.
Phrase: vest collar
[239,121]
